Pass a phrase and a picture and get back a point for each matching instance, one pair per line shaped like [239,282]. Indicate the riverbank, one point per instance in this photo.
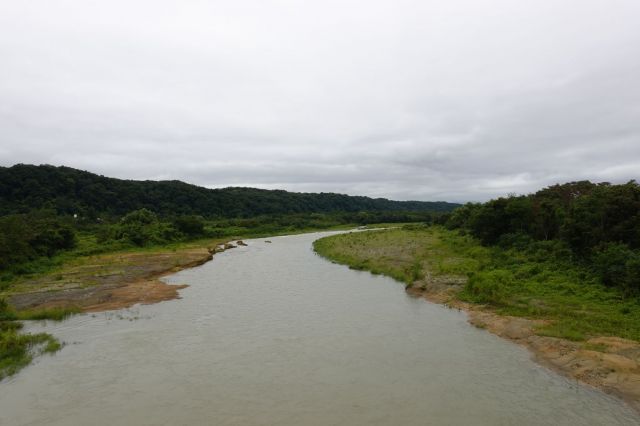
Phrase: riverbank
[107,281]
[341,348]
[115,279]
[87,284]
[585,332]
[120,278]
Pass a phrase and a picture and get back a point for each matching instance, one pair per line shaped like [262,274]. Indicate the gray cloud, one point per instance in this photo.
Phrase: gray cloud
[457,100]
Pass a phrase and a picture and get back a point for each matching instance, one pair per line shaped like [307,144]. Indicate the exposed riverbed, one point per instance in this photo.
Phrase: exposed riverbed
[273,334]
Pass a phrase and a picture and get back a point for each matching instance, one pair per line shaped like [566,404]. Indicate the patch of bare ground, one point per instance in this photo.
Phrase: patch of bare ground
[109,281]
[611,364]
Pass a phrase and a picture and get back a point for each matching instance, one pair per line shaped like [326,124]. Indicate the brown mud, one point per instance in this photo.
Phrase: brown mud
[109,281]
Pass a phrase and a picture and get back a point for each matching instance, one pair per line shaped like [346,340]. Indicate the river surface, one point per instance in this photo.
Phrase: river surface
[272,334]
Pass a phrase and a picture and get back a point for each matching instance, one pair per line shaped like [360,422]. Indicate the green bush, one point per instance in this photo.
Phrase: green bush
[5,313]
[26,237]
[140,228]
[618,266]
[597,225]
[190,225]
[139,217]
[490,286]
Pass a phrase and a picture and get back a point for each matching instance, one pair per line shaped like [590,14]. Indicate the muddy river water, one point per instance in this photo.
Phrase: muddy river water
[272,334]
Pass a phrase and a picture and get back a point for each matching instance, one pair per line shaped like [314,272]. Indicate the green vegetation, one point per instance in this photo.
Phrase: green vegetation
[25,237]
[395,252]
[17,350]
[568,253]
[51,214]
[54,314]
[143,229]
[534,279]
[67,191]
[595,225]
[62,228]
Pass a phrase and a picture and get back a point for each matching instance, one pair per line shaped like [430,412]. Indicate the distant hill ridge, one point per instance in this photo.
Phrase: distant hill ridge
[71,191]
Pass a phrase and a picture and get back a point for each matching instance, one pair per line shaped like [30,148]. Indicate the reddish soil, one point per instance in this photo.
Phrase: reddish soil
[107,282]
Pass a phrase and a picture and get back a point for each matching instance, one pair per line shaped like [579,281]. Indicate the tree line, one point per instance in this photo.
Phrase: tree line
[40,234]
[598,224]
[69,191]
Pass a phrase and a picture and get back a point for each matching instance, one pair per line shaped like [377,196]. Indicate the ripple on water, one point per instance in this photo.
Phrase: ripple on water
[273,334]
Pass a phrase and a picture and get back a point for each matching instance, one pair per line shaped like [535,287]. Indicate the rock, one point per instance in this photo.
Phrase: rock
[267,241]
[241,243]
[228,246]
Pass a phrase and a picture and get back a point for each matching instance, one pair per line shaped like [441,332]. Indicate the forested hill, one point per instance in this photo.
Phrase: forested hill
[70,191]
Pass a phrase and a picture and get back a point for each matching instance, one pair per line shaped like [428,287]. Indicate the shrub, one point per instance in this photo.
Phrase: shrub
[618,266]
[190,225]
[140,228]
[490,286]
[27,237]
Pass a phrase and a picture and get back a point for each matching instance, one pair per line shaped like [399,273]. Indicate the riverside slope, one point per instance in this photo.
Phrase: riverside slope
[611,364]
[614,367]
[111,281]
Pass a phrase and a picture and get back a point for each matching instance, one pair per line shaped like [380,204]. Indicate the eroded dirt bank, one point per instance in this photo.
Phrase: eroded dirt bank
[611,364]
[110,281]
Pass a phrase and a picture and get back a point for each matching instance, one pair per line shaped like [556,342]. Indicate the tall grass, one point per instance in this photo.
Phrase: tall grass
[16,349]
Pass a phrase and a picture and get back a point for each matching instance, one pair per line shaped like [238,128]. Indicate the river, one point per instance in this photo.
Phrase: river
[272,334]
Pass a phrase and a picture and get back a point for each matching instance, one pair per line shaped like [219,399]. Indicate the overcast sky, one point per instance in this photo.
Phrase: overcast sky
[432,100]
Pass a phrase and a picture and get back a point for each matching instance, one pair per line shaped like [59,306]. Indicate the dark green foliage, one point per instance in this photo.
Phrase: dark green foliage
[139,218]
[141,227]
[69,191]
[5,313]
[618,266]
[597,224]
[123,213]
[27,237]
[190,225]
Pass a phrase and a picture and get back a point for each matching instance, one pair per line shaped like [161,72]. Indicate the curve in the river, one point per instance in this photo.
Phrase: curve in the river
[273,334]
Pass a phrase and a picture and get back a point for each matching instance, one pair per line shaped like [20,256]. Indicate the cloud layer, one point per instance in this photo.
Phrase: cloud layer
[455,100]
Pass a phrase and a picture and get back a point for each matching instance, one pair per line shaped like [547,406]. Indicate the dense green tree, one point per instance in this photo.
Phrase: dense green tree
[69,191]
[190,225]
[26,237]
[600,223]
[618,266]
[141,227]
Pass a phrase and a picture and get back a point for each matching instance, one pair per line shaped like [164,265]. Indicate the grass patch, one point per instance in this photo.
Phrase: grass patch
[17,350]
[375,251]
[54,314]
[563,330]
